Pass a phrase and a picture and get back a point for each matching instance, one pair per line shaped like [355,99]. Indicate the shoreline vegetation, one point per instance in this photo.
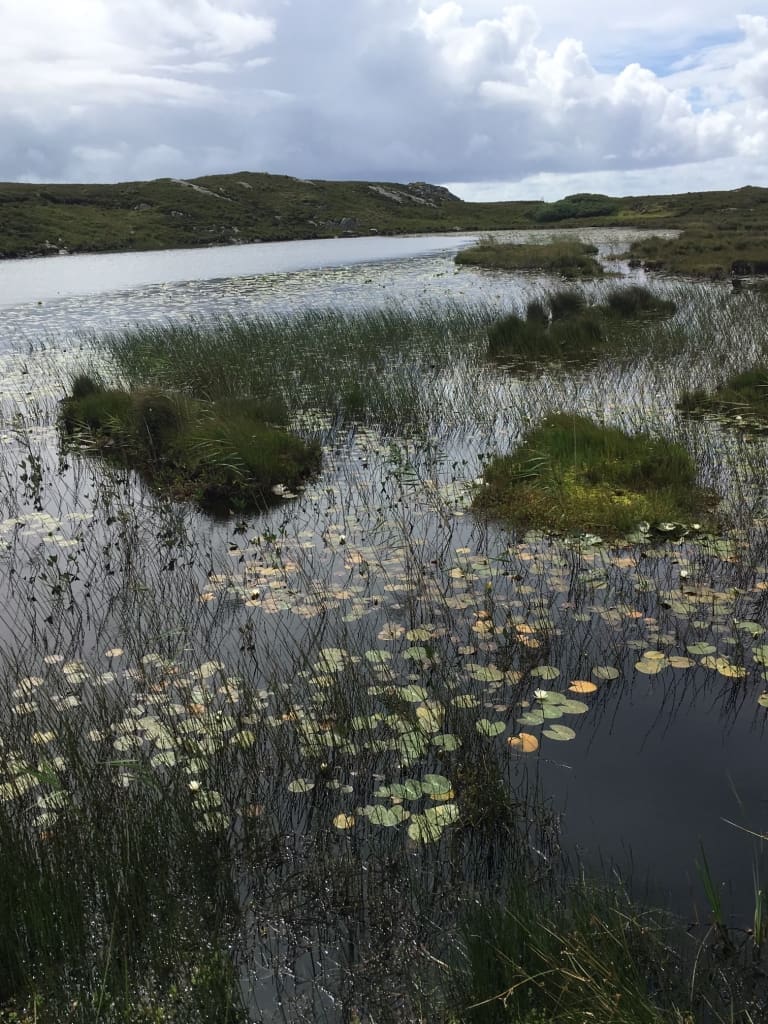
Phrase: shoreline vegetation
[720,231]
[288,765]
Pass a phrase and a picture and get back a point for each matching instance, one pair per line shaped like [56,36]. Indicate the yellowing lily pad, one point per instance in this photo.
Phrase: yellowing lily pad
[524,742]
[582,686]
[650,668]
[344,821]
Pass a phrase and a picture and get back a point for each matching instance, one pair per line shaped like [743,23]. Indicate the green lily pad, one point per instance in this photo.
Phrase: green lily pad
[446,741]
[300,786]
[486,727]
[559,732]
[434,785]
[378,814]
[607,673]
[701,649]
[574,707]
[534,717]
[545,672]
[485,673]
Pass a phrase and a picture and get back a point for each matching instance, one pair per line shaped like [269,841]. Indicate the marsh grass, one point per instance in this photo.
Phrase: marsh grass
[707,251]
[570,259]
[563,327]
[589,955]
[222,455]
[743,397]
[572,474]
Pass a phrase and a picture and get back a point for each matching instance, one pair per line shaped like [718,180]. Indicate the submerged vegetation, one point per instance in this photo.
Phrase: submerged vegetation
[573,475]
[307,764]
[224,455]
[567,258]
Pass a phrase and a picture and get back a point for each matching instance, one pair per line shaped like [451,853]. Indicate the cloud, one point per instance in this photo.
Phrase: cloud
[444,90]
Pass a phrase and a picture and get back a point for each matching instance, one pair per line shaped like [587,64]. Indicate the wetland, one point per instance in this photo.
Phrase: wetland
[376,751]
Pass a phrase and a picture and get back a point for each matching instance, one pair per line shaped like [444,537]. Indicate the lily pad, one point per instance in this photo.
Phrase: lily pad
[524,742]
[559,732]
[433,784]
[545,672]
[606,673]
[486,727]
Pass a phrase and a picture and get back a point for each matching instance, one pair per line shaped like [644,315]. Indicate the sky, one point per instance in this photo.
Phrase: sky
[494,100]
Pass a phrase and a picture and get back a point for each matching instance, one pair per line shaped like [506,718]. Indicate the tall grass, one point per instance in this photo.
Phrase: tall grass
[377,366]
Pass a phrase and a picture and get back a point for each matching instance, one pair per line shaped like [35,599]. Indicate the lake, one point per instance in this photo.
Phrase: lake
[381,557]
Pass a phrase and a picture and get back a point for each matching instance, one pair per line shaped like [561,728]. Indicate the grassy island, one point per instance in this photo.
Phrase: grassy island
[573,475]
[227,455]
[568,258]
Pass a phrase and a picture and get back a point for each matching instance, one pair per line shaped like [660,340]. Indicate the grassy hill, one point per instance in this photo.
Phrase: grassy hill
[247,207]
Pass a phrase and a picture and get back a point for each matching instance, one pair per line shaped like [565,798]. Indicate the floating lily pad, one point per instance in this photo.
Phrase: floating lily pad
[300,786]
[524,742]
[582,686]
[701,649]
[344,821]
[574,707]
[378,814]
[559,732]
[650,668]
[545,672]
[533,717]
[434,784]
[486,727]
[485,673]
[414,694]
[606,673]
[446,741]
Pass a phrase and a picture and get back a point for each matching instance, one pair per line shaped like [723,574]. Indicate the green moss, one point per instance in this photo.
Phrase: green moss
[570,259]
[225,455]
[573,475]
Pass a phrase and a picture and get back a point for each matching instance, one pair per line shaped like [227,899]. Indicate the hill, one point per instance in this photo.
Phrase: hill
[225,209]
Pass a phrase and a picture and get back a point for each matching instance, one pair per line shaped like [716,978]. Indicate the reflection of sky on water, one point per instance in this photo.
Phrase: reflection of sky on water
[424,276]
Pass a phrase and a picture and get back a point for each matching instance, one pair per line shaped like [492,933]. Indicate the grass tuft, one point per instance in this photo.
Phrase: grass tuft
[223,455]
[573,475]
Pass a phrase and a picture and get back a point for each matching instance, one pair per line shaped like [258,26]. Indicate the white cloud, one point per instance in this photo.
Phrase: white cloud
[461,90]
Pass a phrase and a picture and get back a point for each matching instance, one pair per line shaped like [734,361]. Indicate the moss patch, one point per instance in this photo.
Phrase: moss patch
[568,258]
[573,475]
[226,456]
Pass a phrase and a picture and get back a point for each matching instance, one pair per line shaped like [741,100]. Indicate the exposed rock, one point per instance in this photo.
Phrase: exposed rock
[433,194]
[200,188]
